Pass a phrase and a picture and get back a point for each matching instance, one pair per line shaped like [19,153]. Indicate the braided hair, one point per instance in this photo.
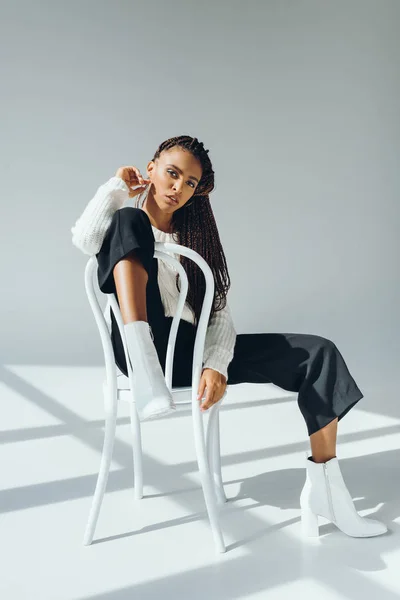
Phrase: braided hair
[194,226]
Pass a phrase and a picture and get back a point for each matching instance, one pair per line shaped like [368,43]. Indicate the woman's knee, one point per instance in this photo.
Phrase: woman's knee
[131,213]
[324,343]
[130,234]
[134,221]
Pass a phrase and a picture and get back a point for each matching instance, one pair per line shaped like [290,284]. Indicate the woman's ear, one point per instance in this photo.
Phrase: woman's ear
[150,168]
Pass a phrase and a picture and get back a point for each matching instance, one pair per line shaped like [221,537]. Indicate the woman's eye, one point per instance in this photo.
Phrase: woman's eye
[174,173]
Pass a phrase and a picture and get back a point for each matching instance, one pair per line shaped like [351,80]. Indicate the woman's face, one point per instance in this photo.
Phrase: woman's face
[175,173]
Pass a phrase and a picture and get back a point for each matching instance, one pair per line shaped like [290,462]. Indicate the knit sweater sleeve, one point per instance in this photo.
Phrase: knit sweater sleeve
[91,227]
[220,342]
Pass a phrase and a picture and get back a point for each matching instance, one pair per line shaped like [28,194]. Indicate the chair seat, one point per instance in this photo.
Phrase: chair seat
[181,395]
[122,382]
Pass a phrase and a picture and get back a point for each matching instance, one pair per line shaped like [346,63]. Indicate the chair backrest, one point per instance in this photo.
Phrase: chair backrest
[161,250]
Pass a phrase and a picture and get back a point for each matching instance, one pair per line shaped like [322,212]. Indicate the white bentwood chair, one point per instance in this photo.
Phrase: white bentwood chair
[118,387]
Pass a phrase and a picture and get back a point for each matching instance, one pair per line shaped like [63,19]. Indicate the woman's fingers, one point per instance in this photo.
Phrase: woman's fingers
[136,191]
[133,179]
[211,398]
[136,176]
[133,175]
[137,181]
[141,180]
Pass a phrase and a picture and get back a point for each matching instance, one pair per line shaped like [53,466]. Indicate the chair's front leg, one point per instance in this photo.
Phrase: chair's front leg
[137,453]
[206,477]
[214,452]
[109,436]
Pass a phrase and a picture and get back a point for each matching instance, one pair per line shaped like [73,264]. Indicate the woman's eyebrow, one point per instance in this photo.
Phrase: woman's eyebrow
[181,172]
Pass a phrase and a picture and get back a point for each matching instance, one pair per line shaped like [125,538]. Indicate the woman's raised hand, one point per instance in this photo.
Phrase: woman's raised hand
[132,177]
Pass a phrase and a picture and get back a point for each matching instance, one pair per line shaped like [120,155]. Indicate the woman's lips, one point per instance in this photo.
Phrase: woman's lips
[171,200]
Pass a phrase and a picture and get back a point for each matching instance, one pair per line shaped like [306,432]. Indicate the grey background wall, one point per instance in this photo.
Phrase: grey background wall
[297,102]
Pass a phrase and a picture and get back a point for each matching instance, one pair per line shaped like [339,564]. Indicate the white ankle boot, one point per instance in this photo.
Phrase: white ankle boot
[325,494]
[151,394]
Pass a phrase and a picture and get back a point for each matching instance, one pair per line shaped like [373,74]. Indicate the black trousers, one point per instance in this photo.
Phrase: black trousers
[310,365]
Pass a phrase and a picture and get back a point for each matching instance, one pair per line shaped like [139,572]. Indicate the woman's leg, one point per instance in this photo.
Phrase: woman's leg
[131,278]
[125,260]
[308,364]
[323,442]
[312,366]
[128,250]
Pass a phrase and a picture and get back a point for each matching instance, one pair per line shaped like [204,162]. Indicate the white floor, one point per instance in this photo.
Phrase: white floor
[161,546]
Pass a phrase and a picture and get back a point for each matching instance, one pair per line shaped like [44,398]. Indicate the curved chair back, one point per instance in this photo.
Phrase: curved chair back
[161,251]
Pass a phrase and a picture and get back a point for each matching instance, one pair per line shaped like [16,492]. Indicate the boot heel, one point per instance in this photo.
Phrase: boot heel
[309,523]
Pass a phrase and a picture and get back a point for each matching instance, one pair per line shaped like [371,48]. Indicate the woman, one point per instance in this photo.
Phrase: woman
[175,207]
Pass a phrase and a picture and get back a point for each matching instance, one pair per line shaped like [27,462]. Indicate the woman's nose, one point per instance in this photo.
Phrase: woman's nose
[178,187]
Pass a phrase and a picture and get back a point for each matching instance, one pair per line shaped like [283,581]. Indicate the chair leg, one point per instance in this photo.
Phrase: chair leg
[108,445]
[137,453]
[205,474]
[214,452]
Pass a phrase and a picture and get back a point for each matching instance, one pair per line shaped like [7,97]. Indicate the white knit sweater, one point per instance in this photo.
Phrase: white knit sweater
[88,234]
